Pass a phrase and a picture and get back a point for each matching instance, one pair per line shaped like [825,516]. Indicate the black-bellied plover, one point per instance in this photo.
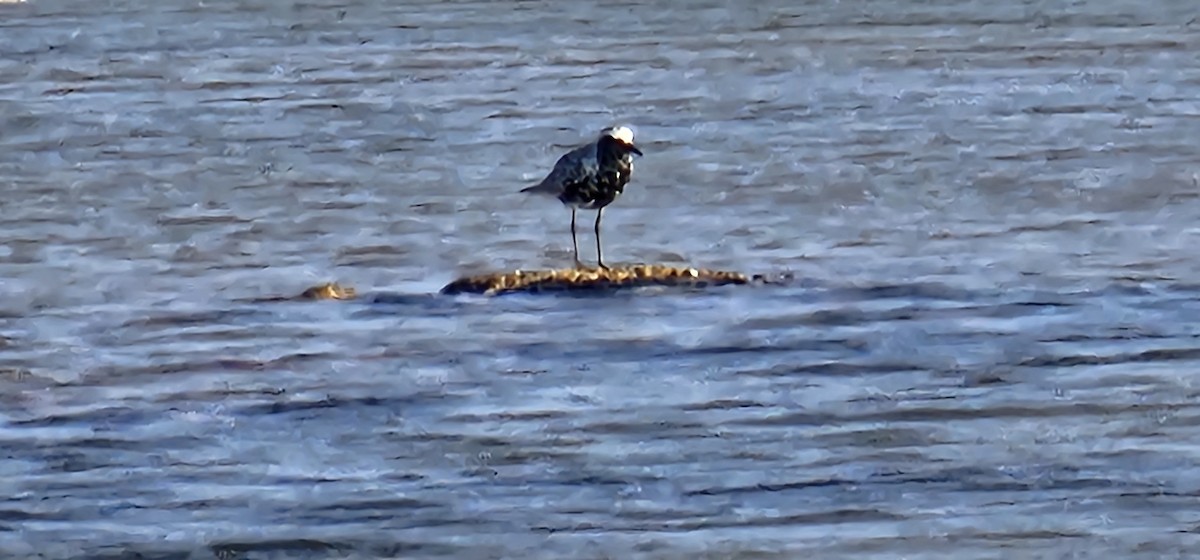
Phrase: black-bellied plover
[591,177]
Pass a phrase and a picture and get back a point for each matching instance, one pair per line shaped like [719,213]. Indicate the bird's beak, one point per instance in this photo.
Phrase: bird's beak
[635,149]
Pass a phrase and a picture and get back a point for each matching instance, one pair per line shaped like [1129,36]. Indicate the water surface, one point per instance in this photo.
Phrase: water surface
[990,351]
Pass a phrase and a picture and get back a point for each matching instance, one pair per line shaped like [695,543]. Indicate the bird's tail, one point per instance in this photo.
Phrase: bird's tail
[538,188]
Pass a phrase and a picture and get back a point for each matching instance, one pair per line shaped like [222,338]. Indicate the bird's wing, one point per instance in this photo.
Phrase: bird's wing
[576,166]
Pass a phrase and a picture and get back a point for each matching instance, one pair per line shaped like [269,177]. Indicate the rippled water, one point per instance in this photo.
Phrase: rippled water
[991,208]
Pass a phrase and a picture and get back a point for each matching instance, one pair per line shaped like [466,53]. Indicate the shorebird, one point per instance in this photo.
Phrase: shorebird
[591,177]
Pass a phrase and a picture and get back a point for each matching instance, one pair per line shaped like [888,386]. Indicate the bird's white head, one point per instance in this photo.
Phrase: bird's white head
[623,135]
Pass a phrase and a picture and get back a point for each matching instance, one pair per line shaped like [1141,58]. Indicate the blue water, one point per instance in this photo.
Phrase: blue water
[988,352]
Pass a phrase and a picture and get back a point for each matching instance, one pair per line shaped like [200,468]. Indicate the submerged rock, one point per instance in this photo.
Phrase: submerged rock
[592,279]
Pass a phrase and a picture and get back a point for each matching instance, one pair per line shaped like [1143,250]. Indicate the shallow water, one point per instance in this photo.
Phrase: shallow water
[990,206]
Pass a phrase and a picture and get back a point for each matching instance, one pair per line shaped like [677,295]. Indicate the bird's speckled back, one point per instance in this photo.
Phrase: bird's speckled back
[590,176]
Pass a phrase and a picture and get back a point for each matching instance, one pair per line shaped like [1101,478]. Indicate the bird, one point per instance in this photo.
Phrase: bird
[590,177]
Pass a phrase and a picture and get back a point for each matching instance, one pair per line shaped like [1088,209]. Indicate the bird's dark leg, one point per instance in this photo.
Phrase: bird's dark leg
[599,259]
[574,242]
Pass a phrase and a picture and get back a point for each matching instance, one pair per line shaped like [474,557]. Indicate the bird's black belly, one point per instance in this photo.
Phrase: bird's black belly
[599,192]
